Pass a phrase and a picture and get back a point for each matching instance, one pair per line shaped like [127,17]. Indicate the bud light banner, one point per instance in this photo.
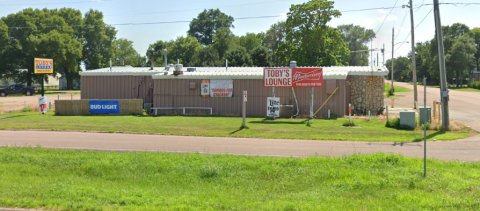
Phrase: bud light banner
[293,77]
[104,107]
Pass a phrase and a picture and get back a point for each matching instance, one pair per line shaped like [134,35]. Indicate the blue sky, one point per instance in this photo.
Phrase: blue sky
[150,11]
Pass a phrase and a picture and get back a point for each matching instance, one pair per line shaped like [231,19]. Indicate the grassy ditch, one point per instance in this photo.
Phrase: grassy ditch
[92,180]
[317,129]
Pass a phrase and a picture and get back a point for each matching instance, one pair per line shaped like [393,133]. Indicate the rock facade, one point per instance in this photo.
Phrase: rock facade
[366,94]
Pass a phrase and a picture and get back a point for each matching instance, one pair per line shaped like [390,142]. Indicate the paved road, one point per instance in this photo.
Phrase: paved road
[463,105]
[462,150]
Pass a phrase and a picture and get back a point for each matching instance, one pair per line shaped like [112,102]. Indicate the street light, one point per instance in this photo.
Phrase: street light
[393,49]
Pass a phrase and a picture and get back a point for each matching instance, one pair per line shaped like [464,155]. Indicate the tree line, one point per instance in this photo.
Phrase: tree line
[70,38]
[462,57]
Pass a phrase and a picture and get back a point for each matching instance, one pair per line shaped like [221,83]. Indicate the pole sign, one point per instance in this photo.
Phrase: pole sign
[43,66]
[273,106]
[293,77]
[104,107]
[244,96]
[42,102]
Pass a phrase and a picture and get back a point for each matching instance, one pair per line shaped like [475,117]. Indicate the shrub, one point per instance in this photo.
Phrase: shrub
[394,123]
[26,109]
[347,123]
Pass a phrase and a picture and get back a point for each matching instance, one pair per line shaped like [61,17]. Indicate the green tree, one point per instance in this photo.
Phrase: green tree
[309,40]
[274,38]
[356,38]
[184,48]
[238,57]
[224,40]
[205,26]
[475,34]
[401,68]
[159,53]
[124,52]
[250,41]
[260,57]
[98,45]
[460,57]
[207,57]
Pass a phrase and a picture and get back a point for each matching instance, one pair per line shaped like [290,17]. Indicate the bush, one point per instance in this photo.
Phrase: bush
[395,123]
[347,123]
[475,85]
[26,109]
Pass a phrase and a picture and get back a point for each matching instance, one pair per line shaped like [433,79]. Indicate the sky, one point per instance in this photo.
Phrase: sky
[150,18]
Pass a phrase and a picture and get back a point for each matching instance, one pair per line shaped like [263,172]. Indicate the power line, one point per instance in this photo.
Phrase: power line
[187,10]
[414,28]
[386,17]
[401,25]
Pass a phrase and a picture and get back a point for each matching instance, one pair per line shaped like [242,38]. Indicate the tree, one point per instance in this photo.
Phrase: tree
[250,41]
[99,37]
[224,40]
[309,40]
[260,56]
[475,34]
[124,52]
[205,26]
[356,38]
[207,57]
[401,69]
[274,38]
[459,58]
[238,57]
[184,48]
[158,50]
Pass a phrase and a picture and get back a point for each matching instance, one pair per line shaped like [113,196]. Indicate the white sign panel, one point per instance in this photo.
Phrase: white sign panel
[273,106]
[277,77]
[244,96]
[221,88]
[42,102]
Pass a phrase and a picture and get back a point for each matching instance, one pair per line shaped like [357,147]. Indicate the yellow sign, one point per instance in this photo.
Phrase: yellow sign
[43,66]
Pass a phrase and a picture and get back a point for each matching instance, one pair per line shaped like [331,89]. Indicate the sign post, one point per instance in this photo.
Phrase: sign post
[43,66]
[244,108]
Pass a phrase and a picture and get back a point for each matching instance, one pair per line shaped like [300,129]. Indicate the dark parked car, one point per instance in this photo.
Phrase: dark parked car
[18,89]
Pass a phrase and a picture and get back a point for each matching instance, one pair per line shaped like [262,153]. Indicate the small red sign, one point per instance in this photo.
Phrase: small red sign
[307,77]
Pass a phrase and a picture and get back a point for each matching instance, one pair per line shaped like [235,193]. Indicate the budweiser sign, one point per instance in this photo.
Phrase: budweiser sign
[293,77]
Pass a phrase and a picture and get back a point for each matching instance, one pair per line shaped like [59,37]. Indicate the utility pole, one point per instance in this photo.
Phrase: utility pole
[443,73]
[377,59]
[414,68]
[393,49]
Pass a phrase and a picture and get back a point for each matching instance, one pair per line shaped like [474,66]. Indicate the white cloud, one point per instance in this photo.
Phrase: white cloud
[283,17]
[389,18]
[382,11]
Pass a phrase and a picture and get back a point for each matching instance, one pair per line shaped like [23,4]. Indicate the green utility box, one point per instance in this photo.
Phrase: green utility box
[407,118]
[424,110]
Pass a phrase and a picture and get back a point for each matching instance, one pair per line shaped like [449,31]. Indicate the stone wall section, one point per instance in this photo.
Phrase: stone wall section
[367,94]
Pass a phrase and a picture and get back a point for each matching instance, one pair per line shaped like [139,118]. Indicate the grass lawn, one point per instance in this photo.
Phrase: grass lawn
[212,126]
[387,86]
[93,180]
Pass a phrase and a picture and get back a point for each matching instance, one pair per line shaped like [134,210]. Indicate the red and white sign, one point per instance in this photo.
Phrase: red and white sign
[277,77]
[221,88]
[293,77]
[307,77]
[244,96]
[42,102]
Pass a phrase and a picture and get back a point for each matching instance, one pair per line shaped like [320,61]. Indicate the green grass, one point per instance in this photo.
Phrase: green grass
[212,126]
[463,88]
[387,86]
[92,180]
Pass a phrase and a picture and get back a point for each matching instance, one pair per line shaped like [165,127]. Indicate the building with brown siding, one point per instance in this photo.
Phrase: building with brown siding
[173,94]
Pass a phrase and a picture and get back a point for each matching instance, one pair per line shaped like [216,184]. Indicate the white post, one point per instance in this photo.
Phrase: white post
[386,107]
[244,108]
[369,117]
[350,113]
[329,113]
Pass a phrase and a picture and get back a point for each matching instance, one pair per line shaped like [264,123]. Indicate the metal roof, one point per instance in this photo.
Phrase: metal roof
[123,70]
[334,72]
